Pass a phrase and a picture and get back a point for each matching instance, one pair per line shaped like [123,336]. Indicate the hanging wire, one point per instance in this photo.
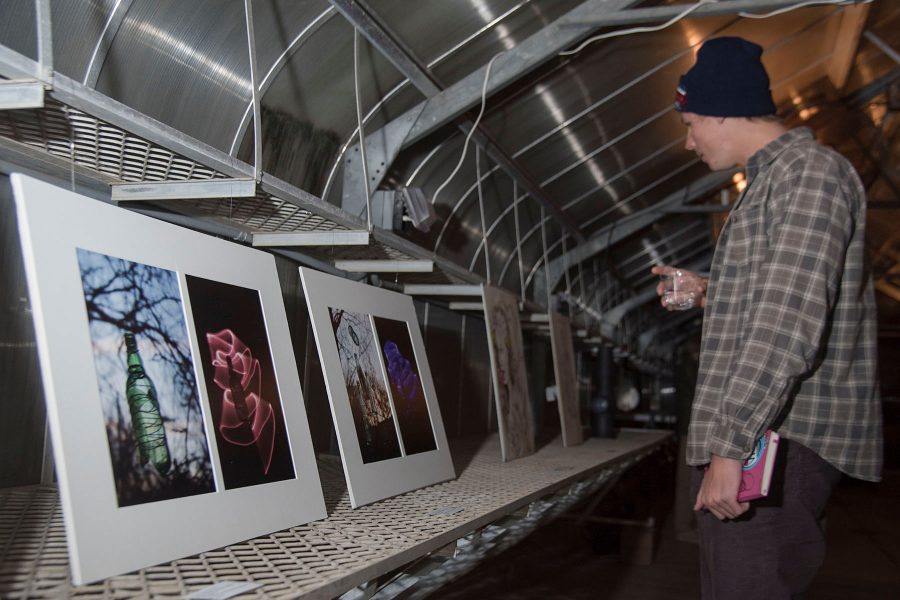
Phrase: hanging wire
[484,237]
[584,299]
[694,7]
[546,262]
[487,76]
[359,121]
[781,11]
[648,29]
[565,257]
[518,239]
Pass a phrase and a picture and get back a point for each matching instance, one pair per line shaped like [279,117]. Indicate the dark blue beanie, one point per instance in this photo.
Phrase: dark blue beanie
[728,80]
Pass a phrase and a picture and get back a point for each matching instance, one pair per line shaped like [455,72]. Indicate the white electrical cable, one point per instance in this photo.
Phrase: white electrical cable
[781,11]
[359,120]
[487,75]
[694,7]
[621,32]
[484,234]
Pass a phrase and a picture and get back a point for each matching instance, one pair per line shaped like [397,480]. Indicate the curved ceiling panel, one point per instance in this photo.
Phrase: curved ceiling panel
[470,31]
[18,27]
[183,63]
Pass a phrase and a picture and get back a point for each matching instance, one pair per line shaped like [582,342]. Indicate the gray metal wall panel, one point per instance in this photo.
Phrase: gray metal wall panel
[306,355]
[478,415]
[22,402]
[442,335]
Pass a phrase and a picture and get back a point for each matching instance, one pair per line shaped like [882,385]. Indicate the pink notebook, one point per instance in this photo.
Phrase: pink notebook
[757,474]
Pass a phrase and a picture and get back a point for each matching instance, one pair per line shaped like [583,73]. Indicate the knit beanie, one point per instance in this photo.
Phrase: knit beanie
[728,80]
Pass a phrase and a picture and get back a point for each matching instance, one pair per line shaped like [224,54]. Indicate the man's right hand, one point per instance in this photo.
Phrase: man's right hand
[689,283]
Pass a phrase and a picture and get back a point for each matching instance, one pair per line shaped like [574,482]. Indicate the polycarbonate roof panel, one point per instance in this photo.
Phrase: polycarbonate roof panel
[185,64]
[454,38]
[77,28]
[17,27]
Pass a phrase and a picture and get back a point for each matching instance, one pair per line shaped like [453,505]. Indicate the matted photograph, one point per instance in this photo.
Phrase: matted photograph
[244,402]
[373,415]
[566,380]
[136,443]
[383,402]
[145,377]
[406,385]
[507,351]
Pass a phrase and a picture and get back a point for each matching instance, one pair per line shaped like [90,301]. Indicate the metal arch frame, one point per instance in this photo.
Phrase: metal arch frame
[627,226]
[105,41]
[454,101]
[585,112]
[672,322]
[559,127]
[535,50]
[668,61]
[613,317]
[360,16]
[683,245]
[676,244]
[274,70]
[783,81]
[390,94]
[598,188]
[636,16]
[617,206]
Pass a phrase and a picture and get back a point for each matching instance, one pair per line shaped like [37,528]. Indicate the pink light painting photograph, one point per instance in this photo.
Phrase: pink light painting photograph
[245,404]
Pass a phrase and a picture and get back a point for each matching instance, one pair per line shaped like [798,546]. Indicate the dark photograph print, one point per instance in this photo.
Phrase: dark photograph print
[366,389]
[406,385]
[240,382]
[145,376]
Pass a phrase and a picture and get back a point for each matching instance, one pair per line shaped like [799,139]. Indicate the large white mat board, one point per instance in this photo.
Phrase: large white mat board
[507,349]
[566,379]
[233,457]
[388,422]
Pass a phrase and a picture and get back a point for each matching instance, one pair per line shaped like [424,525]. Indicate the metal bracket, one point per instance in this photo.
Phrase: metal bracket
[340,237]
[183,190]
[21,93]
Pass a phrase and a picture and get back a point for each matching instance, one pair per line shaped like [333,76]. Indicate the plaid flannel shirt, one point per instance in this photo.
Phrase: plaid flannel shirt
[789,329]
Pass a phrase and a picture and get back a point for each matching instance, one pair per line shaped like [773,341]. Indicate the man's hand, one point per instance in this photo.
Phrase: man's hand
[719,489]
[689,284]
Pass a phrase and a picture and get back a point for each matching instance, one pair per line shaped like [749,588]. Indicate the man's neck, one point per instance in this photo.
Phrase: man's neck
[757,135]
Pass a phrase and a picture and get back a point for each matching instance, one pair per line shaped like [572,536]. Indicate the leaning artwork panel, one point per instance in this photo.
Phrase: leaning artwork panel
[379,384]
[141,404]
[510,379]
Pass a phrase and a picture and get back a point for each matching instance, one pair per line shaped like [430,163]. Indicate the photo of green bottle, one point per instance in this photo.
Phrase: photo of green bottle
[146,420]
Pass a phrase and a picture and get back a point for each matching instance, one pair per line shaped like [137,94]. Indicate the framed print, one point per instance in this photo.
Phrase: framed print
[507,351]
[173,399]
[566,379]
[382,396]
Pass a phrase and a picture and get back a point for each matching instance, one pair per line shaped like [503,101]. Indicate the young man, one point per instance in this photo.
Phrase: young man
[789,333]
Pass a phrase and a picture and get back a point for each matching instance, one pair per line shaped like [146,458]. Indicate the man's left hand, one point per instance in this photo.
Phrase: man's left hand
[719,489]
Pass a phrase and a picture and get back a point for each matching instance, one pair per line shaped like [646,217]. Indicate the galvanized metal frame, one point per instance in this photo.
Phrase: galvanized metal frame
[385,142]
[274,70]
[254,91]
[104,42]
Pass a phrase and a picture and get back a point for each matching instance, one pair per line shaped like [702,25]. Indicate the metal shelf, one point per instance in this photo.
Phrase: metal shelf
[326,558]
[96,138]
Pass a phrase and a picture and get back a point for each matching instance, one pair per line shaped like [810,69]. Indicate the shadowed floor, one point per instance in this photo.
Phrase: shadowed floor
[563,561]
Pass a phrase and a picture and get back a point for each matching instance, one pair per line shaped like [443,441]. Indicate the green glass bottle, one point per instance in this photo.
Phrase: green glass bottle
[146,421]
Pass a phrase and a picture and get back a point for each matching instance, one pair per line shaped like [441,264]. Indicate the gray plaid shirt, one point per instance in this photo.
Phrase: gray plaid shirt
[789,330]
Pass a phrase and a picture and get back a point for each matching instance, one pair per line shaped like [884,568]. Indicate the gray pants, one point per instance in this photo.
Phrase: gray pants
[774,550]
